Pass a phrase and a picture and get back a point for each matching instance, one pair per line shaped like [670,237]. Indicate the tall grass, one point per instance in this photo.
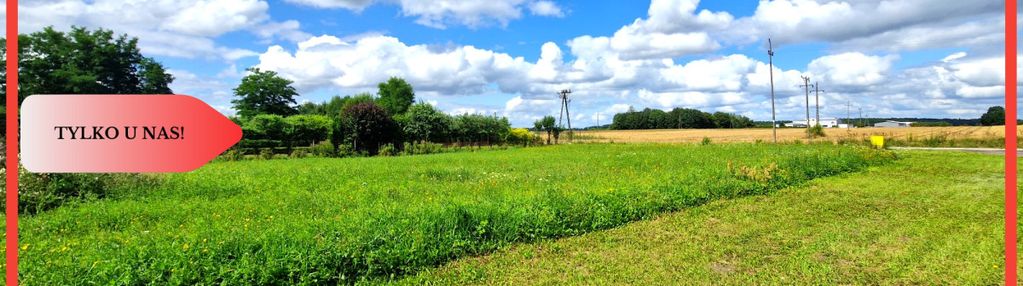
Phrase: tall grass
[327,221]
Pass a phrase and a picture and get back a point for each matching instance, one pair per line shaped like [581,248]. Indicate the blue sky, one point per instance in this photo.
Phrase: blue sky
[507,57]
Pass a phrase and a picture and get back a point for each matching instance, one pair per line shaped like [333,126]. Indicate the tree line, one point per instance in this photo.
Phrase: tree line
[387,122]
[677,118]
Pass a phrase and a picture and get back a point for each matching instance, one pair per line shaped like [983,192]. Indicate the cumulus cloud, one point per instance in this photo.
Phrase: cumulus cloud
[441,13]
[897,25]
[356,5]
[184,28]
[545,8]
[328,61]
[851,69]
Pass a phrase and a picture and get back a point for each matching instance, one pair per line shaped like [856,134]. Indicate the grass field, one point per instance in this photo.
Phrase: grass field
[930,218]
[986,133]
[315,221]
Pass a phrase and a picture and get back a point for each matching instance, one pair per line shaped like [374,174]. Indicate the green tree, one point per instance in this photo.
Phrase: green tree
[306,130]
[367,126]
[546,125]
[81,61]
[264,92]
[423,122]
[995,115]
[396,95]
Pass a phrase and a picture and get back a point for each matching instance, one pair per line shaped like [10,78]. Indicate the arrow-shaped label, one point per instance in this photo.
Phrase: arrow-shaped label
[121,133]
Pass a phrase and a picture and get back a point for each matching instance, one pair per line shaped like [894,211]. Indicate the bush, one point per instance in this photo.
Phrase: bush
[323,149]
[232,155]
[422,148]
[38,192]
[266,153]
[299,153]
[305,130]
[815,131]
[345,150]
[706,141]
[388,150]
[521,136]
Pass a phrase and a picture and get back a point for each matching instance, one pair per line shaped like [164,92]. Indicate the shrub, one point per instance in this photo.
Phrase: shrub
[38,192]
[521,136]
[706,141]
[266,153]
[815,131]
[323,149]
[345,150]
[299,153]
[232,155]
[388,150]
[305,130]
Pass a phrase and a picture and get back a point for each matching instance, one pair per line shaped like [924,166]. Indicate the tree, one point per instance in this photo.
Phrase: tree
[264,92]
[995,115]
[86,62]
[367,126]
[306,130]
[396,95]
[547,125]
[423,122]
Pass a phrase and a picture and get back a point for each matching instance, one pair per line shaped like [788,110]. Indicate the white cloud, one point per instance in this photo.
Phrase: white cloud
[289,30]
[186,28]
[441,13]
[326,61]
[894,25]
[851,69]
[214,17]
[545,8]
[356,5]
[672,28]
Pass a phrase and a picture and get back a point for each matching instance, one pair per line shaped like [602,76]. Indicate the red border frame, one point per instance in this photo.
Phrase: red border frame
[1010,145]
[1011,213]
[12,143]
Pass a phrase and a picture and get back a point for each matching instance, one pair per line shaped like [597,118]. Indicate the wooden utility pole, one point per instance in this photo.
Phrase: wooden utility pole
[848,113]
[770,61]
[817,100]
[806,85]
[563,95]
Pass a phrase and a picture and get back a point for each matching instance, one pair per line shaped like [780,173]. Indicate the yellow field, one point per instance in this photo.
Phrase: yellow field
[784,134]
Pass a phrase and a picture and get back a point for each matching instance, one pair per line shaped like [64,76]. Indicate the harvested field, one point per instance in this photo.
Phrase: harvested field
[787,134]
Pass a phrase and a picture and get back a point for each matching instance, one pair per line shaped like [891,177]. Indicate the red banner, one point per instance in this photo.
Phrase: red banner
[121,133]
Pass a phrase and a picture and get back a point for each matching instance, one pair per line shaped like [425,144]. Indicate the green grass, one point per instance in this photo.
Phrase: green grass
[929,218]
[314,221]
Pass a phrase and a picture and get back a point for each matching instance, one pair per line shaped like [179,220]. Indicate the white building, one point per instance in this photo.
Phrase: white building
[825,122]
[893,123]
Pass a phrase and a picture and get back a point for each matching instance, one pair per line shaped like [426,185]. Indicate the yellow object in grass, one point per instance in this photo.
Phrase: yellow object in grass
[877,141]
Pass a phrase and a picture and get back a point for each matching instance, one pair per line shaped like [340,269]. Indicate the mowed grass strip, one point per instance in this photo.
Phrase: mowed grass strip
[929,218]
[326,221]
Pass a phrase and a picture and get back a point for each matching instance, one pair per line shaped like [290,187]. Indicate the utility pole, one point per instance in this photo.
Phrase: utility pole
[563,94]
[806,85]
[770,62]
[848,113]
[817,100]
[861,118]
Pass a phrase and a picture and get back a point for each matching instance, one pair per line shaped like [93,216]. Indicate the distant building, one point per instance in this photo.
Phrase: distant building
[893,123]
[825,122]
